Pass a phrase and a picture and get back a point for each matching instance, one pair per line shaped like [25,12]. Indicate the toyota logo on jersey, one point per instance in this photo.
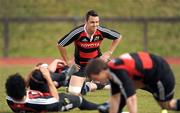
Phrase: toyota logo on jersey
[89,44]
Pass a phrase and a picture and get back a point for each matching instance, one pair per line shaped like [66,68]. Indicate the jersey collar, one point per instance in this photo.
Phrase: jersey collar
[91,37]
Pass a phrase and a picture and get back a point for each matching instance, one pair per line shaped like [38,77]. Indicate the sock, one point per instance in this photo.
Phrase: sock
[85,89]
[86,105]
[100,86]
[178,105]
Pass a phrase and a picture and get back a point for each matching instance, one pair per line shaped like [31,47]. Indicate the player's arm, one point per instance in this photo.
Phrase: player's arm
[127,89]
[114,44]
[114,103]
[54,64]
[63,53]
[65,41]
[51,86]
[27,79]
[112,35]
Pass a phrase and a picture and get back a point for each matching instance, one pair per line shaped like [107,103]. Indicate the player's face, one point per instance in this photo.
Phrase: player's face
[102,76]
[92,23]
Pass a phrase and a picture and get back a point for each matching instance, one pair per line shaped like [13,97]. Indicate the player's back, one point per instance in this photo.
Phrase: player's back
[140,65]
[35,102]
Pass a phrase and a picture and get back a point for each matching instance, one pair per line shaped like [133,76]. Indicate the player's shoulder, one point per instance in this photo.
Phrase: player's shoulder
[105,29]
[8,98]
[102,28]
[78,29]
[115,62]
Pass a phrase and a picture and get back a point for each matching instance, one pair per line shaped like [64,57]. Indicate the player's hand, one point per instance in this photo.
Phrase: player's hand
[45,72]
[104,108]
[61,64]
[70,63]
[106,56]
[78,66]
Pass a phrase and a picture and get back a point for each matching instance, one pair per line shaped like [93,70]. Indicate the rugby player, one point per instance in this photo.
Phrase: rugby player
[87,39]
[21,99]
[60,74]
[133,71]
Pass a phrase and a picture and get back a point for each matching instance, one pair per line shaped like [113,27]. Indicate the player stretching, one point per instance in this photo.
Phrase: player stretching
[87,39]
[133,71]
[21,99]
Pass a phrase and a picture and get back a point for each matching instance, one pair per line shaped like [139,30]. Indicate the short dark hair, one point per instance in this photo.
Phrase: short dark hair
[15,86]
[95,66]
[90,13]
[38,76]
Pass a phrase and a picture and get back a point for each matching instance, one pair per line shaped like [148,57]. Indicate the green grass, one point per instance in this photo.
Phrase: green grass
[39,39]
[146,103]
[127,8]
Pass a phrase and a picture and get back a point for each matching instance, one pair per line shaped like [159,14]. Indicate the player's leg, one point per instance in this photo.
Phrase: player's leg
[122,104]
[165,88]
[59,79]
[173,104]
[92,86]
[168,102]
[72,101]
[62,78]
[76,82]
[88,87]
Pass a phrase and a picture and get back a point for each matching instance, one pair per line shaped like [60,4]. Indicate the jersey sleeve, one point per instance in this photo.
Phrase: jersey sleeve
[70,37]
[122,83]
[114,88]
[109,34]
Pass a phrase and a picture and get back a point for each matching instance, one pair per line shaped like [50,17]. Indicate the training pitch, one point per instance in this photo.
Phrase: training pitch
[146,103]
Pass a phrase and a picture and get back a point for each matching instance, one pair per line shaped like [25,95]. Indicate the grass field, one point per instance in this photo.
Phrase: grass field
[145,102]
[43,36]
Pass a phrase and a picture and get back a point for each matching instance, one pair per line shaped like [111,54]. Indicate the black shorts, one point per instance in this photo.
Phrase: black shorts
[69,101]
[163,88]
[81,72]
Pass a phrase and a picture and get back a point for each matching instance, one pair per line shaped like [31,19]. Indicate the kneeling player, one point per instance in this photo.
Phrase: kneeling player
[21,99]
[133,71]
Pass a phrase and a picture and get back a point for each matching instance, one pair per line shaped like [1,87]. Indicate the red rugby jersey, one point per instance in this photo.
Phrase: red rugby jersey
[35,102]
[87,48]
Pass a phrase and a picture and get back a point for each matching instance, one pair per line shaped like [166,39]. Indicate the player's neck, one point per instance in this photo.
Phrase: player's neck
[23,99]
[88,31]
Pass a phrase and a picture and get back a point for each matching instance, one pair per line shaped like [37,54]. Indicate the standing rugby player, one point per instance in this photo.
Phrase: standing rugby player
[87,39]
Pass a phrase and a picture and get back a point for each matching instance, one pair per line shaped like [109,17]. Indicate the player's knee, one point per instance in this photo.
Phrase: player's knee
[75,90]
[166,105]
[174,104]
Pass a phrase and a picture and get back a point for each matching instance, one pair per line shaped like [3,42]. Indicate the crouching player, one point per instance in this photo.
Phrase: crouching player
[133,71]
[21,99]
